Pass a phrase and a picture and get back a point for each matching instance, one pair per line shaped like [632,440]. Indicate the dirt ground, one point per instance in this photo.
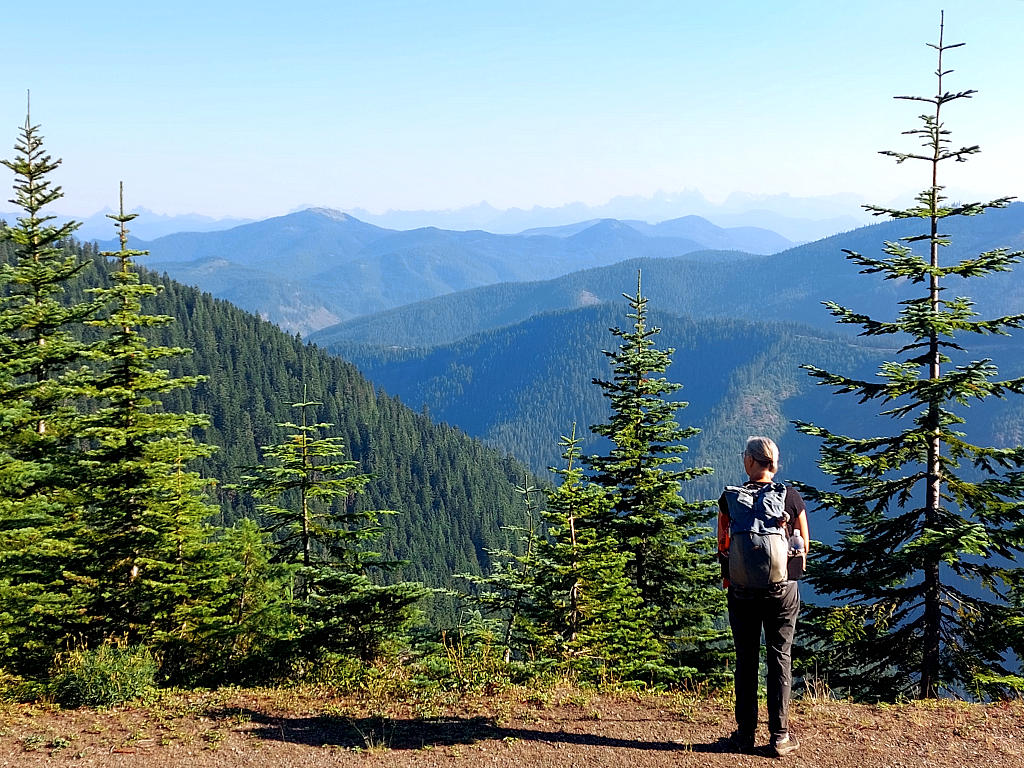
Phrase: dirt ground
[563,727]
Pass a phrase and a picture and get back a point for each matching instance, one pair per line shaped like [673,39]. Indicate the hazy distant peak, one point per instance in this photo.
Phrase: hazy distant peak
[331,213]
[564,230]
[605,227]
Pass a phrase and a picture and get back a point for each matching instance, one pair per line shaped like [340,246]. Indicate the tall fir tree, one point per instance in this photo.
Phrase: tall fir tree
[924,573]
[310,491]
[145,513]
[668,539]
[41,361]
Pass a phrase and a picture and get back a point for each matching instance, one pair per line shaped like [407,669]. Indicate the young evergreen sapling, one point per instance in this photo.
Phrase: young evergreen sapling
[504,595]
[309,492]
[588,613]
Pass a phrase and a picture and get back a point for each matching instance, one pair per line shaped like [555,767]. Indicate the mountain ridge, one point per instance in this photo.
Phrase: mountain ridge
[785,286]
[799,219]
[315,267]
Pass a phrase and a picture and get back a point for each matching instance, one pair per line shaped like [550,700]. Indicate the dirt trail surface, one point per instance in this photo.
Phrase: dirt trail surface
[563,728]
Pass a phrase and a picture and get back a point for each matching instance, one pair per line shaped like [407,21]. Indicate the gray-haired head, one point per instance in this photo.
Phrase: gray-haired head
[764,451]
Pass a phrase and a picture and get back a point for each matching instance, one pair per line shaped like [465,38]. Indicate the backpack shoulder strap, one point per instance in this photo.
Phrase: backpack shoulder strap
[783,489]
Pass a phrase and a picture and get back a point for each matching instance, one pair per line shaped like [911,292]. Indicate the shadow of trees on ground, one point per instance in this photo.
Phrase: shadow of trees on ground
[417,733]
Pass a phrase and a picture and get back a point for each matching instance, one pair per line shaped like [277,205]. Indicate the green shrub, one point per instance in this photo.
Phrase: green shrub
[16,688]
[104,676]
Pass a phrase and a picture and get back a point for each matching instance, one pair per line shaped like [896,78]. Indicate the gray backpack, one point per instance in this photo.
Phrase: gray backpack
[759,541]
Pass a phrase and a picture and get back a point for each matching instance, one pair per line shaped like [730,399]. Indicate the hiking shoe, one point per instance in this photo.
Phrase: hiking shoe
[784,745]
[742,742]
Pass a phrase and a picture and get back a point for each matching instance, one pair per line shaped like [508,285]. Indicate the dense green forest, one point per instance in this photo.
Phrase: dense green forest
[728,367]
[453,494]
[737,374]
[164,510]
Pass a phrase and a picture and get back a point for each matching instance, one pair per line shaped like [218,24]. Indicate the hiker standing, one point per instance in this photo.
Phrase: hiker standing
[759,523]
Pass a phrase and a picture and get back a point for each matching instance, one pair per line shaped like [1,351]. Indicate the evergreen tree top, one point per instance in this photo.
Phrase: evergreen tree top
[33,190]
[124,254]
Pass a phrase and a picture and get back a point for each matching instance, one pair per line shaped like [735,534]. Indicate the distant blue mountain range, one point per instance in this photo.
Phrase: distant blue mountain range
[317,267]
[785,286]
[799,219]
[148,226]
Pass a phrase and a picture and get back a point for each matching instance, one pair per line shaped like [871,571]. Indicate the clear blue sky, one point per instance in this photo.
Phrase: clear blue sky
[251,109]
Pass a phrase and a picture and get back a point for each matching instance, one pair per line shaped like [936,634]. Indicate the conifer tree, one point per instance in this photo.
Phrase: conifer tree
[243,618]
[145,512]
[503,594]
[253,587]
[670,545]
[318,527]
[40,362]
[924,572]
[38,345]
[587,611]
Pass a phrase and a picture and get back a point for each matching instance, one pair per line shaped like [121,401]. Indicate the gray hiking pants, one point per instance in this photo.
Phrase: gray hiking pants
[775,611]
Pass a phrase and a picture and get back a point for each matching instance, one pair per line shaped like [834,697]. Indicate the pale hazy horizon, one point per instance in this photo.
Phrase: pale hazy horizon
[251,110]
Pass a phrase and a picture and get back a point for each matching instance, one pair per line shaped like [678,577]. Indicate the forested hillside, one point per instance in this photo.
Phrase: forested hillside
[522,386]
[452,494]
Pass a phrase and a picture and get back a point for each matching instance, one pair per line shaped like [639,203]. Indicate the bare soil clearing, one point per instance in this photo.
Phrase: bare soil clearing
[563,727]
